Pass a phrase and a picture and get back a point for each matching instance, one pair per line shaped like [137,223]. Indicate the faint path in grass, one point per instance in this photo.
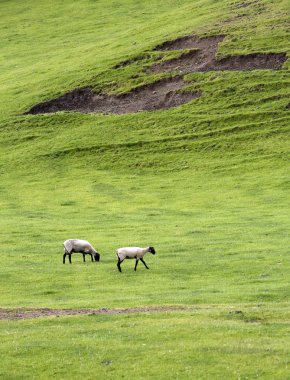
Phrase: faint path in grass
[27,313]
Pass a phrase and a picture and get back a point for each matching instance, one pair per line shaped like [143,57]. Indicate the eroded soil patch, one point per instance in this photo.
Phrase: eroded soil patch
[208,44]
[198,61]
[161,94]
[202,57]
[199,56]
[28,313]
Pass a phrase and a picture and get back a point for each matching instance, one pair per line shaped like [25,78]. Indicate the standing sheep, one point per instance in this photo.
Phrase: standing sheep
[79,246]
[132,253]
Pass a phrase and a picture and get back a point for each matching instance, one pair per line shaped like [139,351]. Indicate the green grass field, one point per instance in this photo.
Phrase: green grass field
[205,183]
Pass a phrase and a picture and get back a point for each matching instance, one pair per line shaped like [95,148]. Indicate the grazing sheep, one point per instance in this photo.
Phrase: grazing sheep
[132,253]
[79,246]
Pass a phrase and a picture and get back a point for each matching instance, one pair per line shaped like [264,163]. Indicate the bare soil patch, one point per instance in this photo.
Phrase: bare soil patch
[29,313]
[202,57]
[160,94]
[209,44]
[199,56]
[198,61]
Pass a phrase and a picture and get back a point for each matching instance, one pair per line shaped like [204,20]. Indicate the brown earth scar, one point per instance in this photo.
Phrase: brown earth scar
[29,313]
[160,94]
[199,55]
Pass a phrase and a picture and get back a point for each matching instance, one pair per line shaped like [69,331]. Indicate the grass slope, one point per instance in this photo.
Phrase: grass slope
[206,183]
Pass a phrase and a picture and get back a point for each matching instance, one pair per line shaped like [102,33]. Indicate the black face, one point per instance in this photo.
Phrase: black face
[97,256]
[152,250]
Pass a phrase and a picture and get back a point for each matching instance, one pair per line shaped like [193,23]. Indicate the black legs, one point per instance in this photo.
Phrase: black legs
[84,256]
[69,257]
[144,263]
[137,260]
[136,263]
[119,265]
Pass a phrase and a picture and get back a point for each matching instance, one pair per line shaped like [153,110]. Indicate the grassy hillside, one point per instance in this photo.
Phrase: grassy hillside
[205,183]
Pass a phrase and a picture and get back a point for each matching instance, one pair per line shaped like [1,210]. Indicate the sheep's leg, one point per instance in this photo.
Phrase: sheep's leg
[92,257]
[136,264]
[64,255]
[69,257]
[84,258]
[119,264]
[144,263]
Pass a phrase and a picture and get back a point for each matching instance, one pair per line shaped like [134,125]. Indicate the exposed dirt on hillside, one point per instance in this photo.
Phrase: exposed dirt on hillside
[29,313]
[202,57]
[208,44]
[198,61]
[161,94]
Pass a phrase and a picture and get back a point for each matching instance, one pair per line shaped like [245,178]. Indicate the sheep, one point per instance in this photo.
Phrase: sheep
[132,253]
[79,246]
